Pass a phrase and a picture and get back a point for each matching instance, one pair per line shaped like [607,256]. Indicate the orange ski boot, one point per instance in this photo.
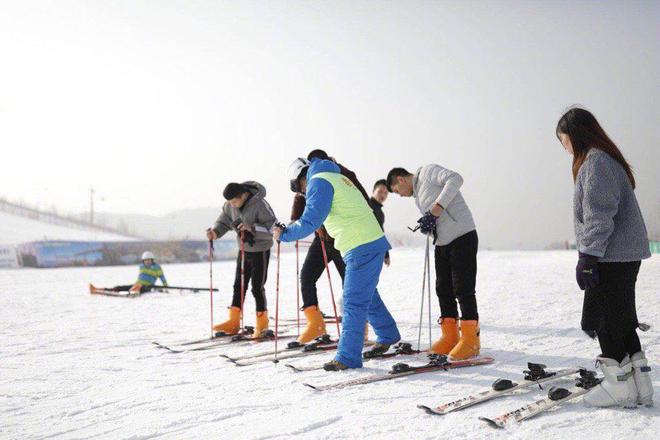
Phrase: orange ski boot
[315,325]
[262,324]
[449,337]
[469,344]
[232,325]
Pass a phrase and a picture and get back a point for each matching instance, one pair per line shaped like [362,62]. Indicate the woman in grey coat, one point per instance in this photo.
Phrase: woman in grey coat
[611,240]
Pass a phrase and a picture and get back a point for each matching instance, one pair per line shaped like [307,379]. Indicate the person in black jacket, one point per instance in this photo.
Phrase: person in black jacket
[376,201]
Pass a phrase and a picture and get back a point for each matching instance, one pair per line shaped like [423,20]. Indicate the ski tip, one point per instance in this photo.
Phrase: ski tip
[311,386]
[490,422]
[294,368]
[427,409]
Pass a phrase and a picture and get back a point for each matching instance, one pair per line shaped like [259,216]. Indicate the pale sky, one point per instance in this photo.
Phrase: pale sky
[159,104]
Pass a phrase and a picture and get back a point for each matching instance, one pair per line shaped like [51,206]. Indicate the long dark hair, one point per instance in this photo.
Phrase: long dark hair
[585,133]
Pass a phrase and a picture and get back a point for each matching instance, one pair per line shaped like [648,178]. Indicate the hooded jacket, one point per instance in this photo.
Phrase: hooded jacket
[256,212]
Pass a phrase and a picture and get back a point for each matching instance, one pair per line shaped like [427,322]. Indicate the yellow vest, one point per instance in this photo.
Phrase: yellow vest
[351,221]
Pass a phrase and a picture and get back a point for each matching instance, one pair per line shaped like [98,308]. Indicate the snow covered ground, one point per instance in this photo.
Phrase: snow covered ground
[79,366]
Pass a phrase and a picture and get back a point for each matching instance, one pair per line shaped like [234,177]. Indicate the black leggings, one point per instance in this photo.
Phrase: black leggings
[127,287]
[609,309]
[313,268]
[617,346]
[456,276]
[256,270]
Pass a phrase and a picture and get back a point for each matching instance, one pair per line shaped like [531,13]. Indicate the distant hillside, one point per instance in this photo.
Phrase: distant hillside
[15,229]
[176,225]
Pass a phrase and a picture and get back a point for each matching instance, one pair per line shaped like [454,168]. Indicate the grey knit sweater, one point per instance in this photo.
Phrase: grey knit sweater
[608,221]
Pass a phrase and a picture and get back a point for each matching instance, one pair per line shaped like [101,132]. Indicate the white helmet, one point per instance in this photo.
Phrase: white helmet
[148,256]
[295,171]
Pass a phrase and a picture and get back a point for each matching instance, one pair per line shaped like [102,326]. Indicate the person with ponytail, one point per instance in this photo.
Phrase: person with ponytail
[611,240]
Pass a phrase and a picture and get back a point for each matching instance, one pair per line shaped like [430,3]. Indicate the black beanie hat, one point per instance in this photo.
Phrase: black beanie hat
[233,190]
[317,154]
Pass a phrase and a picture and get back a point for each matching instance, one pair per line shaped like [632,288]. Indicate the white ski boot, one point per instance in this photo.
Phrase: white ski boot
[618,386]
[642,375]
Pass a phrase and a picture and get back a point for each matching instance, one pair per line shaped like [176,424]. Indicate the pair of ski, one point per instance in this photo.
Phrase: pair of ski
[107,292]
[534,376]
[322,344]
[135,293]
[435,363]
[293,349]
[555,397]
[400,349]
[221,339]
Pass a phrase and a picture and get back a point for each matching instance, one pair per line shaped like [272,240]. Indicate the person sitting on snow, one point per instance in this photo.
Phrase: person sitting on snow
[150,271]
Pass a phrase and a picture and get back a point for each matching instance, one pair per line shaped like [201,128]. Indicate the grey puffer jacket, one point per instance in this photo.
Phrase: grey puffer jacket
[608,221]
[256,211]
[433,183]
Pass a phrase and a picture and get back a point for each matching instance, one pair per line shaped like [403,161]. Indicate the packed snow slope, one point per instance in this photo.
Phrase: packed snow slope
[15,229]
[79,366]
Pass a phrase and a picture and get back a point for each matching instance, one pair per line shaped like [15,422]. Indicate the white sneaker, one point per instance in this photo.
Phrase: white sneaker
[642,375]
[617,388]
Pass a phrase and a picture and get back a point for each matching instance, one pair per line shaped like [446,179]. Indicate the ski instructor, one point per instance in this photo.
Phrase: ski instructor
[334,201]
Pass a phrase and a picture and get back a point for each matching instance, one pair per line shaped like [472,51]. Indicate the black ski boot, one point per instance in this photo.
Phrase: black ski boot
[377,350]
[334,365]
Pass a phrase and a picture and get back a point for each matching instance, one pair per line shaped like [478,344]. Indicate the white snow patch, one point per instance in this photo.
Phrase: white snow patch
[80,366]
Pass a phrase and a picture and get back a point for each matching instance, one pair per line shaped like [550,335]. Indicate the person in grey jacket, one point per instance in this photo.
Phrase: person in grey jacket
[247,212]
[612,240]
[446,215]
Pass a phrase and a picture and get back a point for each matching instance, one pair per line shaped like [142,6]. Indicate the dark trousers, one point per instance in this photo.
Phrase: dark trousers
[609,309]
[456,276]
[313,268]
[256,270]
[127,287]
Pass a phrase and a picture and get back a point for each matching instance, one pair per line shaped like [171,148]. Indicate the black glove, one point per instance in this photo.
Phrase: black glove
[247,237]
[427,223]
[586,271]
[280,225]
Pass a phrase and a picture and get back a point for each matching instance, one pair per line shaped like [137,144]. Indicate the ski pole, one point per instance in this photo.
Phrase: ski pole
[242,281]
[332,294]
[298,288]
[428,284]
[421,307]
[192,289]
[277,300]
[211,282]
